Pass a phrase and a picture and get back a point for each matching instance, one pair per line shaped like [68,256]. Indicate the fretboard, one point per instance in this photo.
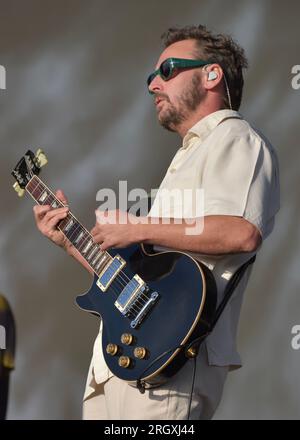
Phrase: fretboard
[80,238]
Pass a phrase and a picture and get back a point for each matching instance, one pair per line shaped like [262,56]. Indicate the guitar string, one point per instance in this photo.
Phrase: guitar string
[122,275]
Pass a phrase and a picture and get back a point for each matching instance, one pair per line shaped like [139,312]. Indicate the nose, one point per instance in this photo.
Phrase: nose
[156,85]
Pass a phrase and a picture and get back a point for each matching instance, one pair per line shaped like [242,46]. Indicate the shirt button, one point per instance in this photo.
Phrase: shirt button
[172,170]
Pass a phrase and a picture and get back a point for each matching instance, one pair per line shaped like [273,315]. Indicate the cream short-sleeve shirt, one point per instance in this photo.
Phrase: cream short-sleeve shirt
[237,169]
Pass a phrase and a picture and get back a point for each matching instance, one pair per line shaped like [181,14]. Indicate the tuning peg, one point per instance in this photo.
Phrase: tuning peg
[20,191]
[40,158]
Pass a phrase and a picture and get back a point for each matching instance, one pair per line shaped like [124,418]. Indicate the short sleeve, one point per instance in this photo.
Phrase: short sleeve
[241,179]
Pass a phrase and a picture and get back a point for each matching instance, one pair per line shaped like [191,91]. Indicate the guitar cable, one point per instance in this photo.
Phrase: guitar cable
[141,384]
[192,389]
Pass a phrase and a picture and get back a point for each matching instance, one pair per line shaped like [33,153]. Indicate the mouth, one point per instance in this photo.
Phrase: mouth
[158,101]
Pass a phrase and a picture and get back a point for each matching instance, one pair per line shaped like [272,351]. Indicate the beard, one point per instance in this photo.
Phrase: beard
[187,102]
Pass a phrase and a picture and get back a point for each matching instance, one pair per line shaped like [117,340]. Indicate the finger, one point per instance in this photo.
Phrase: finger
[98,238]
[61,196]
[95,230]
[53,222]
[40,211]
[54,212]
[106,245]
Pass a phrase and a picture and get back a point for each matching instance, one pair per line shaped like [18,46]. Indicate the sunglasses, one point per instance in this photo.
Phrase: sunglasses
[169,68]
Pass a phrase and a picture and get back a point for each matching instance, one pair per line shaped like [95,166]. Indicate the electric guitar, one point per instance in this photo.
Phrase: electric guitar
[154,305]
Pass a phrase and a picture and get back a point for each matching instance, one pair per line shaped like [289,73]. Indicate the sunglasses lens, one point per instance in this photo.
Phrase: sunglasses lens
[166,70]
[150,78]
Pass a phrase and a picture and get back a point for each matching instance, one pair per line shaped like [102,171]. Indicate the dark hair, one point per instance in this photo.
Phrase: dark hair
[219,48]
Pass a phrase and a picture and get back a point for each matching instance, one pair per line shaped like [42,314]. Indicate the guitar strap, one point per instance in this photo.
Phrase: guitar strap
[229,290]
[192,348]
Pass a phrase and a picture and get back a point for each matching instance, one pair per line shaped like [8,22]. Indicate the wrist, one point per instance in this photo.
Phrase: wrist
[142,232]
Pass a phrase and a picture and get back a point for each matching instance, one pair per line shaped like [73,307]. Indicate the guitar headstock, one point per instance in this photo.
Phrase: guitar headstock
[28,166]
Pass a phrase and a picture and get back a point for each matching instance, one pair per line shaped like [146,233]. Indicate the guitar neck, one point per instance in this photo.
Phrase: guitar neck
[72,229]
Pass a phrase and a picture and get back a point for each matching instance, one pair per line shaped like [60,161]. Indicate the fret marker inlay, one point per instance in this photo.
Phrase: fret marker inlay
[79,237]
[103,258]
[87,247]
[69,225]
[92,253]
[43,196]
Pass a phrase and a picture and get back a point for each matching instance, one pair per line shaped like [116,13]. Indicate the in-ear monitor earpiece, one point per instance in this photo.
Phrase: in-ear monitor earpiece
[212,76]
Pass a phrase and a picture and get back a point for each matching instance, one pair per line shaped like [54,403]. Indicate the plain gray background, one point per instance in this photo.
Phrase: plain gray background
[76,75]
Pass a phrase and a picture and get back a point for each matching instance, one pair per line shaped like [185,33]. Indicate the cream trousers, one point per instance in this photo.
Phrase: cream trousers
[116,400]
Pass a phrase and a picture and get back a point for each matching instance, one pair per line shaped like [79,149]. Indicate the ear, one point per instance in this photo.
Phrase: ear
[213,75]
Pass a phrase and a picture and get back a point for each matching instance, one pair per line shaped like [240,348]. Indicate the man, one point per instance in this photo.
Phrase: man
[197,89]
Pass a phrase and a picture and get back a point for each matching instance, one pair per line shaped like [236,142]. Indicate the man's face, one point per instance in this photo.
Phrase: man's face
[177,98]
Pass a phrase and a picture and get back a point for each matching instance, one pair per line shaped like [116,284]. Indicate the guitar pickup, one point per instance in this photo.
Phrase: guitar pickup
[110,272]
[136,301]
[129,294]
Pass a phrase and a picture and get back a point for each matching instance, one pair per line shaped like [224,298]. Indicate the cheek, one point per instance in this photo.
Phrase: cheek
[176,89]
[173,95]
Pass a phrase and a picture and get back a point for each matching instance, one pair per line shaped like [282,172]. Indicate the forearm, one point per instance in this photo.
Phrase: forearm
[220,235]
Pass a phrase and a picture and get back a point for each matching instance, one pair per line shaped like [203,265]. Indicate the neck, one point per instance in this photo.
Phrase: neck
[201,112]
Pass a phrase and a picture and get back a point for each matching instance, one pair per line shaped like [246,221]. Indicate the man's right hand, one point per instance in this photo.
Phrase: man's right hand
[47,218]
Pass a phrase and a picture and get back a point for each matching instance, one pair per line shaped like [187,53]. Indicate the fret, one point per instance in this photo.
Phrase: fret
[71,229]
[69,225]
[39,189]
[33,188]
[43,197]
[48,200]
[102,263]
[96,259]
[82,243]
[55,205]
[32,183]
[88,245]
[90,256]
[79,237]
[40,193]
[82,240]
[64,222]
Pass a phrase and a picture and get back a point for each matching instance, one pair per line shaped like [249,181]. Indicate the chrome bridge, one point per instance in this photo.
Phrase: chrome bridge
[136,300]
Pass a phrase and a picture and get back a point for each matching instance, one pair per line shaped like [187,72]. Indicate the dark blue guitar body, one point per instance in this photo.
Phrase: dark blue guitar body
[186,303]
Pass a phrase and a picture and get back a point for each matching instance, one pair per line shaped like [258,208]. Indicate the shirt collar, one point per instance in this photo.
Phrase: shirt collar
[206,125]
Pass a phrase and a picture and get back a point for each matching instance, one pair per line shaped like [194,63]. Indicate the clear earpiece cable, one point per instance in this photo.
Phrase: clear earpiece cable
[227,91]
